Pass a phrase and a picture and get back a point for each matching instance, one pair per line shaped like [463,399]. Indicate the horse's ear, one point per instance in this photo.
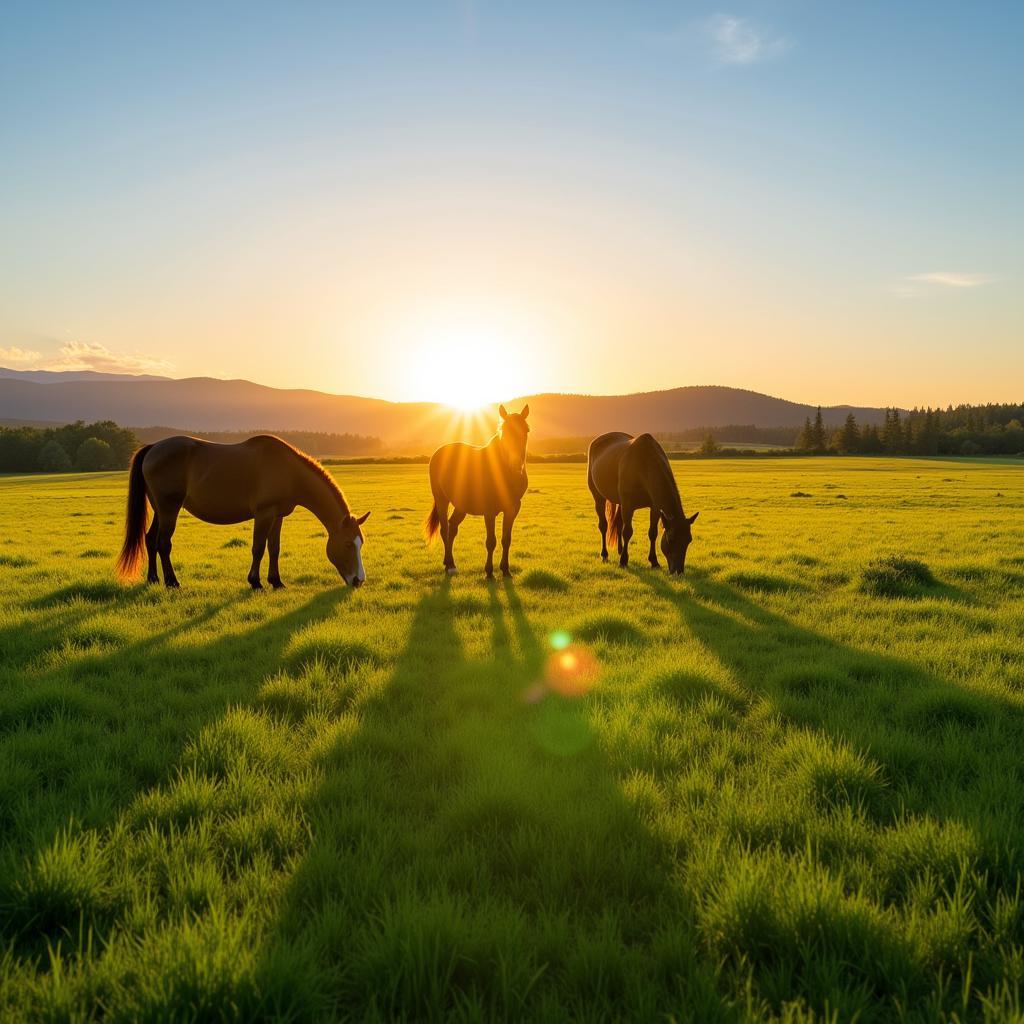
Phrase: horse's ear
[362,519]
[502,413]
[526,411]
[690,519]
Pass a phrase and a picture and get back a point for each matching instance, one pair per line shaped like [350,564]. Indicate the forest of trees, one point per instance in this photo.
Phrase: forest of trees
[959,430]
[313,442]
[78,446]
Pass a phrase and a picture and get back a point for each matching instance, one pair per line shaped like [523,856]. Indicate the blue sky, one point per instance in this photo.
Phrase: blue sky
[817,200]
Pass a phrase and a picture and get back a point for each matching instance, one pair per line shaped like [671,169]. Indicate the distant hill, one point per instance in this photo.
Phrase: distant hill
[55,376]
[206,403]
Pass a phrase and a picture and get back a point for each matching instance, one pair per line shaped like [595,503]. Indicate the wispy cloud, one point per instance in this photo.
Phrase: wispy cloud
[14,356]
[949,279]
[84,355]
[919,284]
[739,41]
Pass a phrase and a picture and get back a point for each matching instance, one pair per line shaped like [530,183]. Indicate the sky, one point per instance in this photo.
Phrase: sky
[474,200]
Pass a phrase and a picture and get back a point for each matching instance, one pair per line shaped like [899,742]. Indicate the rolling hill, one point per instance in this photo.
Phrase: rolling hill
[206,403]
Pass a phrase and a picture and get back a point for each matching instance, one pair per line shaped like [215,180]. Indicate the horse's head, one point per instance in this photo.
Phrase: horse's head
[514,431]
[345,549]
[675,540]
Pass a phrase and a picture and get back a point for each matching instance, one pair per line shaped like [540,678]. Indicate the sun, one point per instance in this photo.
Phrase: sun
[463,368]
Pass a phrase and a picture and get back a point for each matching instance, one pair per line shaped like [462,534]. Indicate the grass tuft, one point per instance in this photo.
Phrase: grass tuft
[895,576]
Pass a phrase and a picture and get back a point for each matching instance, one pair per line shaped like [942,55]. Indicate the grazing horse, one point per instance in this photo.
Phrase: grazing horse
[625,473]
[263,478]
[477,481]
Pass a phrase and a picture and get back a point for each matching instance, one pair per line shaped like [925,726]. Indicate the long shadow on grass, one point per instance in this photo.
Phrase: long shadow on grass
[472,854]
[945,753]
[941,745]
[79,742]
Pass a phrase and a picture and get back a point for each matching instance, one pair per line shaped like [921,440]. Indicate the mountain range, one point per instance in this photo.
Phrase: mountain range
[207,403]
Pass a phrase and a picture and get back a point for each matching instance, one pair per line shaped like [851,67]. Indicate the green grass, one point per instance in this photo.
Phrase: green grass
[787,786]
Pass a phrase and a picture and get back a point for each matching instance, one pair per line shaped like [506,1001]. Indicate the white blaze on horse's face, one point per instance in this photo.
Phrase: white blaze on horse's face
[345,550]
[360,572]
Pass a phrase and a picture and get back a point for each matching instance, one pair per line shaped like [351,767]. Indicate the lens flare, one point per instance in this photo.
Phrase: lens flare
[559,640]
[571,672]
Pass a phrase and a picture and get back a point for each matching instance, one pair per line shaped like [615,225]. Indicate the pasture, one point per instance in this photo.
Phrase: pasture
[786,786]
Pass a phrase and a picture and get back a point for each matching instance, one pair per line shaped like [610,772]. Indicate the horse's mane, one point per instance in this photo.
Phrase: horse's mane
[317,468]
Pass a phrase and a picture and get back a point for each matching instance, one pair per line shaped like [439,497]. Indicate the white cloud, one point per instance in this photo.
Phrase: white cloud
[89,355]
[919,284]
[85,355]
[738,41]
[948,279]
[15,356]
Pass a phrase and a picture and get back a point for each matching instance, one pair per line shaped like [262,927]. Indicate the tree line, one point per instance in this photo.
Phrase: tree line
[313,442]
[956,430]
[84,447]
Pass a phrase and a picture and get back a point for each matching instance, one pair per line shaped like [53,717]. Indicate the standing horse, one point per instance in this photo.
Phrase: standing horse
[477,481]
[263,479]
[625,473]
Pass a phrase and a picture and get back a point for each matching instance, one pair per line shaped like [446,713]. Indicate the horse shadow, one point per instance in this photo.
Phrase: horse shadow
[469,846]
[945,751]
[48,716]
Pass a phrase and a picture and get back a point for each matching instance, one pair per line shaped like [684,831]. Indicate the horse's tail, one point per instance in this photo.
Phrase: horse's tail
[135,520]
[613,513]
[432,526]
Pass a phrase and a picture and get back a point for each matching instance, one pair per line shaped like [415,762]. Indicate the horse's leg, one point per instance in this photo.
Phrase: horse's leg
[627,533]
[274,550]
[167,516]
[492,543]
[508,518]
[454,521]
[653,534]
[151,535]
[448,538]
[601,506]
[260,531]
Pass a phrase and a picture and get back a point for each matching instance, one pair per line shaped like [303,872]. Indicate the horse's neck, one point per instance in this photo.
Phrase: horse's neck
[320,498]
[664,493]
[498,445]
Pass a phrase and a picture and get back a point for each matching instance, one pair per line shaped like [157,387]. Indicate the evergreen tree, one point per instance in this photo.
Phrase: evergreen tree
[892,433]
[806,440]
[849,436]
[818,435]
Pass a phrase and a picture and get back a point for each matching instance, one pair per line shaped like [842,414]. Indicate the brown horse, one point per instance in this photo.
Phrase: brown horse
[486,482]
[625,473]
[263,478]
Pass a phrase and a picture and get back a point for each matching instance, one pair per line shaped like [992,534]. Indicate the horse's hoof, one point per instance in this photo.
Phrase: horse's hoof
[451,570]
[256,586]
[173,585]
[507,573]
[152,579]
[488,574]
[278,585]
[604,558]
[655,564]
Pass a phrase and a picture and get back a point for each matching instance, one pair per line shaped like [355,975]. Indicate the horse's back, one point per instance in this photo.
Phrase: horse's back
[473,479]
[219,483]
[603,458]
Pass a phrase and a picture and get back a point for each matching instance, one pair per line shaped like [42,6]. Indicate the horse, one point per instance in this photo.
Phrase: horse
[480,481]
[625,473]
[262,478]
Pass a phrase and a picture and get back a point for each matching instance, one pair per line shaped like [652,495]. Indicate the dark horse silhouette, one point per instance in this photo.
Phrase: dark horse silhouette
[625,473]
[485,481]
[263,478]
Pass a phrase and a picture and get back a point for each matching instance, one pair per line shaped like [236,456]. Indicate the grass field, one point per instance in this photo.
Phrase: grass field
[786,786]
